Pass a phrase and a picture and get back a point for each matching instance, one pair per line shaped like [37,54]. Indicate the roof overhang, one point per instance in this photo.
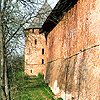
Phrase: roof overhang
[31,28]
[57,14]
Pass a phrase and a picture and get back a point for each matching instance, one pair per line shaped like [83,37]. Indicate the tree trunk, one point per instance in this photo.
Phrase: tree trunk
[6,81]
[1,60]
[3,68]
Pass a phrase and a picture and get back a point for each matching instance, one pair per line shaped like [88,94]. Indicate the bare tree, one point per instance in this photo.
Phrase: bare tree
[14,14]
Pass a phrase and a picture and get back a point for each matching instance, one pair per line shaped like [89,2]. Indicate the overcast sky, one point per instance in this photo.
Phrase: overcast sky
[52,2]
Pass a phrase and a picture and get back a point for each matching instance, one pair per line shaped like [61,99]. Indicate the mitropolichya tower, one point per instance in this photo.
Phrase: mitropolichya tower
[35,53]
[35,44]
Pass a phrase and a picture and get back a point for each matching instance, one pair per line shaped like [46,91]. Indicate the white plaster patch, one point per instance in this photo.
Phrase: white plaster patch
[66,96]
[55,88]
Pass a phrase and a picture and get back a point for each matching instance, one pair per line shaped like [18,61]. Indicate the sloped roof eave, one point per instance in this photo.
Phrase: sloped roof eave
[57,14]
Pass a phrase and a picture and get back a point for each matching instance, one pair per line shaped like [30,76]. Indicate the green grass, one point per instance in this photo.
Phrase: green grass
[31,88]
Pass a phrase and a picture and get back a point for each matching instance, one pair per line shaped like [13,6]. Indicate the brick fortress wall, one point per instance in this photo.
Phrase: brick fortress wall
[74,53]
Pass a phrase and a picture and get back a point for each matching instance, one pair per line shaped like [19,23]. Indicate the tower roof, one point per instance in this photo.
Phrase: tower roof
[41,16]
[45,1]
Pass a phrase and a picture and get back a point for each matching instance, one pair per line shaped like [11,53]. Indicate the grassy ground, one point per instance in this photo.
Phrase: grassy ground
[31,89]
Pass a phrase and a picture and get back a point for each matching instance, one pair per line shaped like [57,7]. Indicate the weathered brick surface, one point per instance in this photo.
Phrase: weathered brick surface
[33,53]
[77,33]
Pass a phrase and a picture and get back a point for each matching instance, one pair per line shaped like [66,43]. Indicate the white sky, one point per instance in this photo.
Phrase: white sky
[52,2]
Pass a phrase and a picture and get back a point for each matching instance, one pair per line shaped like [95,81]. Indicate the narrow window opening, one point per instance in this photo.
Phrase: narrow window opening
[33,31]
[42,61]
[35,41]
[26,61]
[31,71]
[43,51]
